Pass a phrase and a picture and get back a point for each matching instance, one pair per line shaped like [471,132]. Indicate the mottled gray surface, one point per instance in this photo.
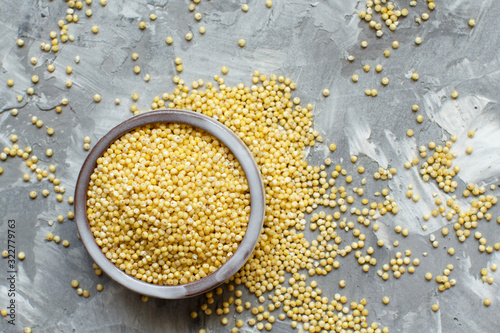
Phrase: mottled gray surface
[306,41]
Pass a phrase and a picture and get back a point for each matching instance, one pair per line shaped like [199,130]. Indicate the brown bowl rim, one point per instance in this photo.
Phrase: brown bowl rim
[257,204]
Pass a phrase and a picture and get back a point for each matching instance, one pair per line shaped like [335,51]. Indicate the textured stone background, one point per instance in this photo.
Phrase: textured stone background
[306,41]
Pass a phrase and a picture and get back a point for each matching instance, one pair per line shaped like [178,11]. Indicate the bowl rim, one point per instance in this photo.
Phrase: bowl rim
[257,203]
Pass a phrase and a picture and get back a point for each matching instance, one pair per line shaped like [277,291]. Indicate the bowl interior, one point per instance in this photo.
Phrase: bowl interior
[257,204]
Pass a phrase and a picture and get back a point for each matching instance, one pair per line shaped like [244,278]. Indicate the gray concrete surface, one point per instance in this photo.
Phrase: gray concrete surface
[306,41]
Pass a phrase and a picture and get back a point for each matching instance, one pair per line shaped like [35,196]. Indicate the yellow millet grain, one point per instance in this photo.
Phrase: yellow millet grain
[168,203]
[277,129]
